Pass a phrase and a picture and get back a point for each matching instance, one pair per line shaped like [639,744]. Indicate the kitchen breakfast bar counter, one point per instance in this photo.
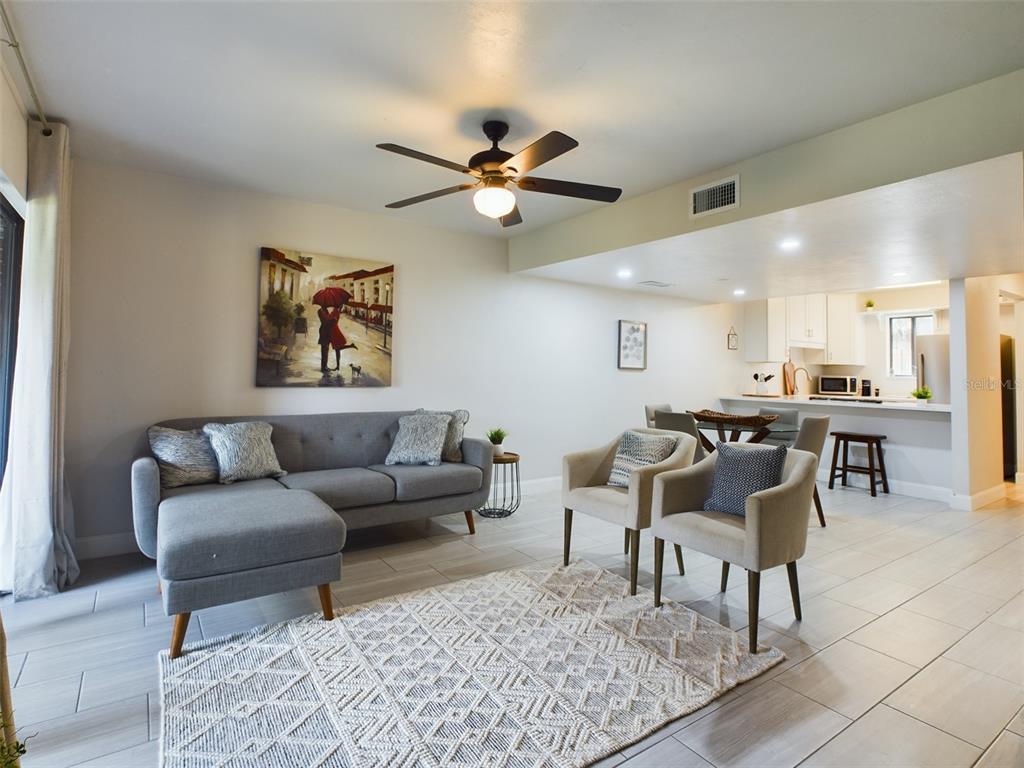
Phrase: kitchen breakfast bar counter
[918,440]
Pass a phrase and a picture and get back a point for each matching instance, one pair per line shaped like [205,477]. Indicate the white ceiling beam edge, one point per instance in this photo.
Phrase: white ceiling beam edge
[965,126]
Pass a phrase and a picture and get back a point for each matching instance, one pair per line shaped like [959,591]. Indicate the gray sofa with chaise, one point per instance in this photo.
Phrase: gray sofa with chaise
[216,544]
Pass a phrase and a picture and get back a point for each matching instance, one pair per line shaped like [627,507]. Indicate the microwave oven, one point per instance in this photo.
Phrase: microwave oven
[837,385]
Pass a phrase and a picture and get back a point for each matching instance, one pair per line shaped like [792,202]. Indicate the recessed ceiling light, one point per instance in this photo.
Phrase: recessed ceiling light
[625,274]
[899,274]
[740,292]
[789,244]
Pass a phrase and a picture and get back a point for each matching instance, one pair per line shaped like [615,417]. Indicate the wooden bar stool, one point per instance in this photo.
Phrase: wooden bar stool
[873,444]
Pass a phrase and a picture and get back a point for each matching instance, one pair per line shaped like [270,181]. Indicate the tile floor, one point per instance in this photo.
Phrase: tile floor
[911,651]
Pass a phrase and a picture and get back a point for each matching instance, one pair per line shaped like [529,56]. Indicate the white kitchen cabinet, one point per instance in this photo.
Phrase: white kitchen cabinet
[764,326]
[845,333]
[806,321]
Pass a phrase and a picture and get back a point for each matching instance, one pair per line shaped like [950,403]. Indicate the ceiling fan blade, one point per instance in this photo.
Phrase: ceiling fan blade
[430,196]
[569,189]
[543,149]
[428,158]
[512,218]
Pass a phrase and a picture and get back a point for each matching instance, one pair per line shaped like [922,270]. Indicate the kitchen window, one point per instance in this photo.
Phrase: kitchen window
[903,333]
[11,227]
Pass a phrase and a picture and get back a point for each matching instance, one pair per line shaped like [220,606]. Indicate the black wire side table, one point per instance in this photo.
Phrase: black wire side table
[511,493]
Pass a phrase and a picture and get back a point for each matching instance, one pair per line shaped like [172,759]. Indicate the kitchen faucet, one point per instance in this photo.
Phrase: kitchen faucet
[796,388]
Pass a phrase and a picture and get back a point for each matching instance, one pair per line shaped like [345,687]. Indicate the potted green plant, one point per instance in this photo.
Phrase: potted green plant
[497,437]
[922,394]
[869,305]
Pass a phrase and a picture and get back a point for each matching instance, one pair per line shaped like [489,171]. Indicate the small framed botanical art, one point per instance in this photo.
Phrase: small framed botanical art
[632,345]
[732,340]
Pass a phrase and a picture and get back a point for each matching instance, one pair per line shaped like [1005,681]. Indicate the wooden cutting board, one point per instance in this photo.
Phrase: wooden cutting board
[766,394]
[788,377]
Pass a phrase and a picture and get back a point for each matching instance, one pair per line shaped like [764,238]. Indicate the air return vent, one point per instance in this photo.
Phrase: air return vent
[715,197]
[655,284]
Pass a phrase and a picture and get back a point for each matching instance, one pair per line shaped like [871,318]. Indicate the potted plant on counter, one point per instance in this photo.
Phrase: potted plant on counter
[923,395]
[497,437]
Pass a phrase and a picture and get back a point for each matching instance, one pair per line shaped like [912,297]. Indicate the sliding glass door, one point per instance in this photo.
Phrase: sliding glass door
[11,231]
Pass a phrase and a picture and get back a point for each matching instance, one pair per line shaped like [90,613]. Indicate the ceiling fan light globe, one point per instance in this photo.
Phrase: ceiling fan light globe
[494,202]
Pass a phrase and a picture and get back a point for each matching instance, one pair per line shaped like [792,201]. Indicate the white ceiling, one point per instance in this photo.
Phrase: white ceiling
[290,98]
[964,222]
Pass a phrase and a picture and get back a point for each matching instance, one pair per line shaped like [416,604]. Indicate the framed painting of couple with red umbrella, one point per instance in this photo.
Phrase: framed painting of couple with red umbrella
[324,321]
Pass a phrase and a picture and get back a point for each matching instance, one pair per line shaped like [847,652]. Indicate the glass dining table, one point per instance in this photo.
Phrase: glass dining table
[778,433]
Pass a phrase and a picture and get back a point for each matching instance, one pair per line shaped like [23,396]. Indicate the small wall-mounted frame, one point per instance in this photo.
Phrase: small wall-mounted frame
[632,345]
[732,341]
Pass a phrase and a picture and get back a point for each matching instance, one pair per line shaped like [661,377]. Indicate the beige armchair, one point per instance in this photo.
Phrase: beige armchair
[773,533]
[585,489]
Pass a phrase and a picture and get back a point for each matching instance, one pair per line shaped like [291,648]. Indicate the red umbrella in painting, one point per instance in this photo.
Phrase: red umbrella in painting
[332,297]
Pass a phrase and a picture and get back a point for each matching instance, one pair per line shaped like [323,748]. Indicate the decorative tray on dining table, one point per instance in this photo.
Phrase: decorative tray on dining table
[717,417]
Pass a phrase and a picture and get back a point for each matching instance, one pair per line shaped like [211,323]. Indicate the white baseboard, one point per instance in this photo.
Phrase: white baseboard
[974,501]
[901,487]
[91,547]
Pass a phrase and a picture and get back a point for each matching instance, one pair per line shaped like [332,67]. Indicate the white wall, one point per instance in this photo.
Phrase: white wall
[164,314]
[13,143]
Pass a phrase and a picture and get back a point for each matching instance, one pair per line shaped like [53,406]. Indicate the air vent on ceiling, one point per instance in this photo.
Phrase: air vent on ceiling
[655,284]
[715,197]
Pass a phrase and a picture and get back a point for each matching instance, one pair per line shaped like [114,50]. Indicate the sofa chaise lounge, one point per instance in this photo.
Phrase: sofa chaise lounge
[216,544]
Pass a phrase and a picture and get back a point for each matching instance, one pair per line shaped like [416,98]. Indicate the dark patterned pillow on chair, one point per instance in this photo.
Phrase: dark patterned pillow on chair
[740,472]
[638,449]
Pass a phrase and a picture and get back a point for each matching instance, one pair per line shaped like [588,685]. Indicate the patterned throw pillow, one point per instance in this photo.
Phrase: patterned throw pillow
[420,439]
[244,450]
[452,450]
[184,456]
[739,472]
[638,449]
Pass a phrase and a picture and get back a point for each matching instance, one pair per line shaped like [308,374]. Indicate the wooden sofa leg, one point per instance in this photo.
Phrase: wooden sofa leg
[178,633]
[725,575]
[470,523]
[679,560]
[659,561]
[324,591]
[568,536]
[634,559]
[625,542]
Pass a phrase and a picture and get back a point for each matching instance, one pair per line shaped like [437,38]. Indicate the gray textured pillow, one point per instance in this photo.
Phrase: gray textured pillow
[739,472]
[185,457]
[420,439]
[637,449]
[244,450]
[452,450]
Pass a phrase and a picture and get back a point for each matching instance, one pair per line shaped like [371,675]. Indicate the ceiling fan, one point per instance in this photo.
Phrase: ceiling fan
[493,169]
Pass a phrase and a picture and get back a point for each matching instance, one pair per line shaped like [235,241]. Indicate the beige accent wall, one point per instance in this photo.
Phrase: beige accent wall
[974,123]
[164,303]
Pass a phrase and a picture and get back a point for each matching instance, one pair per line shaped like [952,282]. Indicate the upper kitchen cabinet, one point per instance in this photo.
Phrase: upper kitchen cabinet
[845,336]
[764,325]
[806,321]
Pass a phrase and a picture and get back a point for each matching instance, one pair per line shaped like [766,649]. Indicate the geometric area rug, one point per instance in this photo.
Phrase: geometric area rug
[536,666]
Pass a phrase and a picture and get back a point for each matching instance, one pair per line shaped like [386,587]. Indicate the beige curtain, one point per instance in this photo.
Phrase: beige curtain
[35,506]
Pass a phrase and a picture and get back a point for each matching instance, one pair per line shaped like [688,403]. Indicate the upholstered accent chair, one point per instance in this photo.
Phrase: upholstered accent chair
[811,438]
[773,531]
[651,410]
[585,489]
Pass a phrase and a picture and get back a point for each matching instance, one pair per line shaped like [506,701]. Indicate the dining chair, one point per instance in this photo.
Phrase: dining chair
[811,438]
[772,532]
[681,422]
[786,416]
[651,410]
[585,489]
